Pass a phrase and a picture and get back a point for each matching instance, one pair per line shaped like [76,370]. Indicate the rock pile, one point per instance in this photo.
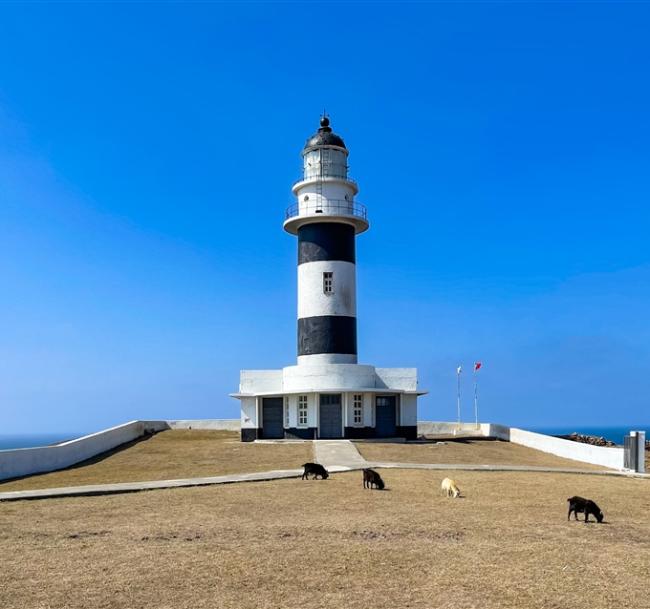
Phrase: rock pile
[593,440]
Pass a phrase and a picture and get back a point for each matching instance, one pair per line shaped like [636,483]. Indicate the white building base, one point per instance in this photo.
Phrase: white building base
[328,401]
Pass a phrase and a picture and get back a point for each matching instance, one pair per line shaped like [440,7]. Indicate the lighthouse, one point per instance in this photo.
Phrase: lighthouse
[326,219]
[327,394]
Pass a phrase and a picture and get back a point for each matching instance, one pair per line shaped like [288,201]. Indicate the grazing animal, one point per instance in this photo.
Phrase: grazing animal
[370,478]
[316,469]
[450,488]
[585,506]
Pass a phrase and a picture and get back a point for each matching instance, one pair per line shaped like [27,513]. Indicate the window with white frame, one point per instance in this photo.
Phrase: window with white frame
[302,411]
[357,408]
[286,411]
[328,282]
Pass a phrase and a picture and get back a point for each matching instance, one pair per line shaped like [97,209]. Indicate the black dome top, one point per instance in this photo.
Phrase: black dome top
[324,136]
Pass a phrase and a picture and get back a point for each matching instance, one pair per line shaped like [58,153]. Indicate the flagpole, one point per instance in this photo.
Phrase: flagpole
[475,397]
[458,370]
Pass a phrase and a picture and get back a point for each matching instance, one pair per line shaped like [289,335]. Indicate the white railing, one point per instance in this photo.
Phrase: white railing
[331,207]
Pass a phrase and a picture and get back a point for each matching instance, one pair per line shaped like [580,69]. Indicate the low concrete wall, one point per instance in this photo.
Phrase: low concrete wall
[444,428]
[26,461]
[212,424]
[597,455]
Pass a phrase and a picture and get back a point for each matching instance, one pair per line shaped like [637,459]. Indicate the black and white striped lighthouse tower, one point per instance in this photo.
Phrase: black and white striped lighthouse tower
[326,219]
[327,394]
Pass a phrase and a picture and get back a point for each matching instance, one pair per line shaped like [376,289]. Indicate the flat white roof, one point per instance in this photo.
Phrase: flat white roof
[334,390]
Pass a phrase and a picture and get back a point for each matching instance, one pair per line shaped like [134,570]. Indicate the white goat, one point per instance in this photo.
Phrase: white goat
[450,488]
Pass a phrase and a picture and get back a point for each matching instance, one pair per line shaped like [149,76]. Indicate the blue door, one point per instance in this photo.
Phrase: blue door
[330,416]
[385,416]
[272,418]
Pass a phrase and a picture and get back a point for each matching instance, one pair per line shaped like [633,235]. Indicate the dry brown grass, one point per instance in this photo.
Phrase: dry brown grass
[317,544]
[477,451]
[171,455]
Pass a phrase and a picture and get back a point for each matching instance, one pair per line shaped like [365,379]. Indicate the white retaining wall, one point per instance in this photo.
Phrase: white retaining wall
[606,456]
[26,461]
[433,428]
[212,424]
[597,455]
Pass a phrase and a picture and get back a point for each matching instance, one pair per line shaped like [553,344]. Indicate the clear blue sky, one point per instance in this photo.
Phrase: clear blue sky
[146,156]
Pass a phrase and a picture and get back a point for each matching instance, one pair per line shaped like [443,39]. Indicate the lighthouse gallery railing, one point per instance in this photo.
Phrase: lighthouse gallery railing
[330,207]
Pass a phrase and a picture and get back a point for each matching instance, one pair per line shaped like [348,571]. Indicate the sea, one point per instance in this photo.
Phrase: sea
[9,441]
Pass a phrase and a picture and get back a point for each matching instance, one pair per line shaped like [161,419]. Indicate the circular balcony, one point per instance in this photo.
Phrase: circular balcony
[326,210]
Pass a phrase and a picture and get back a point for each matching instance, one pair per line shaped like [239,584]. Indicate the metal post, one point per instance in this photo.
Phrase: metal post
[628,449]
[640,463]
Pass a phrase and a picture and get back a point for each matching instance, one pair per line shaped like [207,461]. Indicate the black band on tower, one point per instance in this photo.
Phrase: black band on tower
[326,241]
[327,334]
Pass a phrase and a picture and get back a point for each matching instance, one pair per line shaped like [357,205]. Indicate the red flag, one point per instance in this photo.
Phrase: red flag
[477,365]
